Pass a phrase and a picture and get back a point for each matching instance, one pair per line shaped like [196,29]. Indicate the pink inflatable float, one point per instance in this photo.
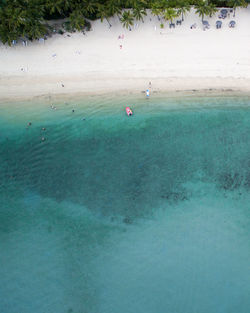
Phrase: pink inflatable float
[129,111]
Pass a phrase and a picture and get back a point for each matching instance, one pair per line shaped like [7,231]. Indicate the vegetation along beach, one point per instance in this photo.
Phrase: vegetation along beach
[124,156]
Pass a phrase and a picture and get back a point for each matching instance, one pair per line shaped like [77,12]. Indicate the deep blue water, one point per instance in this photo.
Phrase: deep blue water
[110,214]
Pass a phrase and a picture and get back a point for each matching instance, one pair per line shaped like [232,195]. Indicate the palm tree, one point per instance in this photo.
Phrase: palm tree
[170,14]
[155,9]
[103,13]
[183,7]
[89,6]
[236,4]
[33,22]
[34,30]
[114,8]
[11,21]
[202,8]
[134,3]
[212,9]
[57,6]
[18,20]
[127,19]
[77,20]
[138,13]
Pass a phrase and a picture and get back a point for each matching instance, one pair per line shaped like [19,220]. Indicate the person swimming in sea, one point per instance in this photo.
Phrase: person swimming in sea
[28,125]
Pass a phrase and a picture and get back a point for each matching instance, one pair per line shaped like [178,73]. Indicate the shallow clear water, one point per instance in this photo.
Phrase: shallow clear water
[115,214]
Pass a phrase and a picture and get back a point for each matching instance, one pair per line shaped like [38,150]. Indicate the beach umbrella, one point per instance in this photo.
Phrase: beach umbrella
[205,23]
[223,11]
[232,23]
[218,24]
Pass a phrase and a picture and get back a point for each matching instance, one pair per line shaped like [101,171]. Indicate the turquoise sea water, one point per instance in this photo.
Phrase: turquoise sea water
[110,214]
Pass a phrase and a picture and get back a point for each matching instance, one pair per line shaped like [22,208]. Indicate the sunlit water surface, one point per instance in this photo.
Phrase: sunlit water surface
[110,214]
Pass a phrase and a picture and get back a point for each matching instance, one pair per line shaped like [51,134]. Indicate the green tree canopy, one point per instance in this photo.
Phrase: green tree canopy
[77,20]
[27,18]
[20,18]
[237,4]
[183,7]
[202,9]
[127,19]
[139,13]
[171,14]
[103,13]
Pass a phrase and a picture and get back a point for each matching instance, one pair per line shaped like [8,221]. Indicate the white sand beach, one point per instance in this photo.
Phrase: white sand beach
[171,59]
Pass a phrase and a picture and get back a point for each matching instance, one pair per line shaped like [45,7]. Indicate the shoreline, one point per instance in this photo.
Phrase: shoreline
[11,89]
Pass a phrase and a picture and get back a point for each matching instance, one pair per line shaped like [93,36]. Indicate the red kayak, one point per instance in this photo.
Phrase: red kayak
[129,111]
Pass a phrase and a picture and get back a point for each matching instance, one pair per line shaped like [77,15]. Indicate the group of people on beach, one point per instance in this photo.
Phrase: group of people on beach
[121,37]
